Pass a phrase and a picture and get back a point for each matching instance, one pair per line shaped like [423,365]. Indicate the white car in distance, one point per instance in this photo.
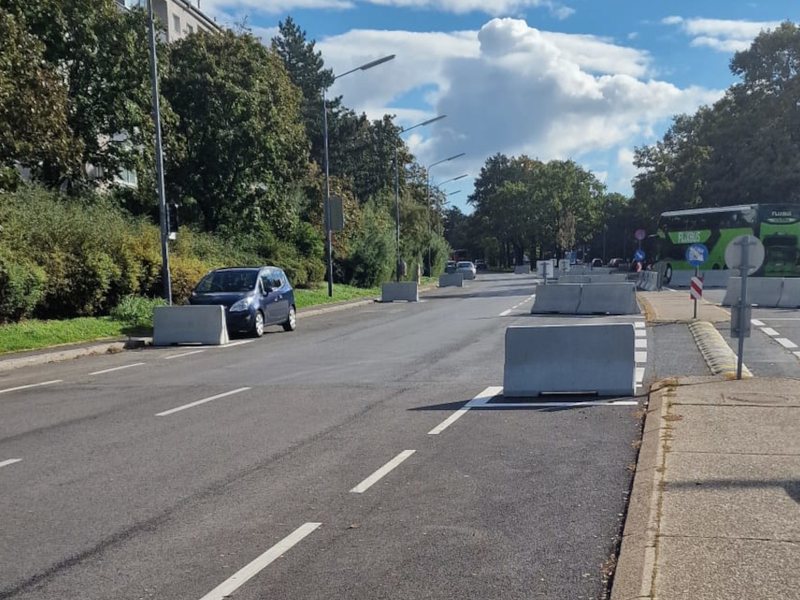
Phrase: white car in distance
[467,268]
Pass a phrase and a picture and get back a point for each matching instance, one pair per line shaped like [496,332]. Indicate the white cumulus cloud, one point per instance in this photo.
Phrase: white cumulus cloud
[722,35]
[512,88]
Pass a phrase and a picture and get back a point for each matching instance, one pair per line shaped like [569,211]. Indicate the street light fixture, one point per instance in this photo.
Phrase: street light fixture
[397,190]
[428,186]
[329,237]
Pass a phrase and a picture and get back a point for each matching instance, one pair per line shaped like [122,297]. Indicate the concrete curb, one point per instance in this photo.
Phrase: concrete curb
[715,350]
[636,567]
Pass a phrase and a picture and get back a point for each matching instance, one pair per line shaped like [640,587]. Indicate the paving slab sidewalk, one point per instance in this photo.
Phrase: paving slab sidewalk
[715,507]
[676,307]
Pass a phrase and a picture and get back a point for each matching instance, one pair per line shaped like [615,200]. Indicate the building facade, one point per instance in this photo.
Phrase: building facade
[178,17]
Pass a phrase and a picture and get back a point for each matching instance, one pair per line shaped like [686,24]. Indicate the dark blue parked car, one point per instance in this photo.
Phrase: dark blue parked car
[253,297]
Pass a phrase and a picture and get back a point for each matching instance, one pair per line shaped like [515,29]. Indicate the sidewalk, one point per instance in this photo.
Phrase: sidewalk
[715,508]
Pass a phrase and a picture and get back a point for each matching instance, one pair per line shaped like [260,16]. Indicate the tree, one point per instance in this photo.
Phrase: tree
[33,103]
[241,124]
[304,64]
[100,52]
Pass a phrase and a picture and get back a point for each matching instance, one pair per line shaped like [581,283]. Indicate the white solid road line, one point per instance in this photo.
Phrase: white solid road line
[482,398]
[199,402]
[181,355]
[757,323]
[770,331]
[116,369]
[239,343]
[10,461]
[31,385]
[786,343]
[243,575]
[380,473]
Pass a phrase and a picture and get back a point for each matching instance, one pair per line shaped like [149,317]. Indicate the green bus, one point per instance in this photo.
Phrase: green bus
[776,225]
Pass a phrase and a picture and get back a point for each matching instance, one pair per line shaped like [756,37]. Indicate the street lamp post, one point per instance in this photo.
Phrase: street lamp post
[329,236]
[397,190]
[162,202]
[428,187]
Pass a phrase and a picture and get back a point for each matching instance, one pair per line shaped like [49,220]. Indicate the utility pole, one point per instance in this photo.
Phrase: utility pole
[162,202]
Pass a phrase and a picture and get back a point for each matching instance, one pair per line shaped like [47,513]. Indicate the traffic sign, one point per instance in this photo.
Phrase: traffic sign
[696,254]
[639,255]
[696,288]
[736,249]
[640,234]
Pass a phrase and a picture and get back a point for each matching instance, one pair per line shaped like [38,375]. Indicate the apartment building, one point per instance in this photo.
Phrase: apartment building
[179,17]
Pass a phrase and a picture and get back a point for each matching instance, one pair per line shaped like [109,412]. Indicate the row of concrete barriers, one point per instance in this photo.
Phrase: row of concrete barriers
[769,292]
[586,299]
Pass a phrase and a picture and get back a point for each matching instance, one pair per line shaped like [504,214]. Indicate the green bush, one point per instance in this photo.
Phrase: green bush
[372,256]
[22,285]
[136,311]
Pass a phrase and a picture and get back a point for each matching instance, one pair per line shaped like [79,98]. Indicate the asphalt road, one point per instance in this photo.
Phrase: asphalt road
[161,473]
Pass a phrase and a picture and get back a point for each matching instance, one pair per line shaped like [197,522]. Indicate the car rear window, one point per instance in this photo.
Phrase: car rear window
[464,264]
[228,281]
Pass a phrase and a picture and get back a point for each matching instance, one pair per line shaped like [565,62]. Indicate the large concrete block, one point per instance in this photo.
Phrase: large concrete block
[396,291]
[648,281]
[763,291]
[716,278]
[522,269]
[790,294]
[608,298]
[594,358]
[189,325]
[451,280]
[575,279]
[560,298]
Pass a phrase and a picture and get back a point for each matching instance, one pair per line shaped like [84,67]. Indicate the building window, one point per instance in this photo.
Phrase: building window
[176,23]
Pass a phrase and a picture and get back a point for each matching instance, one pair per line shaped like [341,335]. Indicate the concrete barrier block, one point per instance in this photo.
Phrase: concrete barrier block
[398,291]
[586,358]
[716,278]
[189,325]
[575,279]
[790,294]
[560,298]
[648,281]
[608,299]
[522,269]
[763,291]
[451,280]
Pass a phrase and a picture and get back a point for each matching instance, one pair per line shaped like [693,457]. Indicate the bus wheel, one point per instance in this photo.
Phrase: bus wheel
[715,267]
[668,274]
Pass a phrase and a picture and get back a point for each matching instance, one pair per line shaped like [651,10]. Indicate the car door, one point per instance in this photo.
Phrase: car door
[269,298]
[281,304]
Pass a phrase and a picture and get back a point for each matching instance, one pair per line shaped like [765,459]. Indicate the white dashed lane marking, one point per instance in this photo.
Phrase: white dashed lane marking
[770,331]
[116,369]
[10,461]
[29,386]
[199,402]
[382,472]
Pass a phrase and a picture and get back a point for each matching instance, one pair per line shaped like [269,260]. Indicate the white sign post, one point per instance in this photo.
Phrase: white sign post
[744,254]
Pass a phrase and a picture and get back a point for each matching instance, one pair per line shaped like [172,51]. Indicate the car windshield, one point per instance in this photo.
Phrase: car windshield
[464,265]
[228,281]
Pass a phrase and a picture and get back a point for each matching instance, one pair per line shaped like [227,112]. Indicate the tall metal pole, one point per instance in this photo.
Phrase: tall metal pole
[162,202]
[329,242]
[397,211]
[430,226]
[743,304]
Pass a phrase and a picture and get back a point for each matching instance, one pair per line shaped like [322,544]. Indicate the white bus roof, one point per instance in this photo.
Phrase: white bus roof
[706,211]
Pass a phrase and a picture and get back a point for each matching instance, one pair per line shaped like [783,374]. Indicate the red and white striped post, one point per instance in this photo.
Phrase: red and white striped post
[696,290]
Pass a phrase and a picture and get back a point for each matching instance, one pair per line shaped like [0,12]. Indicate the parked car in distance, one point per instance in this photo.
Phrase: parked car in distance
[467,268]
[615,263]
[480,265]
[597,262]
[253,297]
[450,267]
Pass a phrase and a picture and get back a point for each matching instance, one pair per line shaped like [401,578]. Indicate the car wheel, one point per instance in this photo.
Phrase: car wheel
[291,321]
[668,274]
[258,325]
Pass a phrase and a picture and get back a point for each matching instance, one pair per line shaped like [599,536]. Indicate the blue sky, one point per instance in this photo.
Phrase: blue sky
[587,80]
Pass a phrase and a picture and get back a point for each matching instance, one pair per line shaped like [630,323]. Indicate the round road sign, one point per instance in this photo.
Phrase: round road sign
[640,234]
[639,254]
[696,254]
[734,254]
